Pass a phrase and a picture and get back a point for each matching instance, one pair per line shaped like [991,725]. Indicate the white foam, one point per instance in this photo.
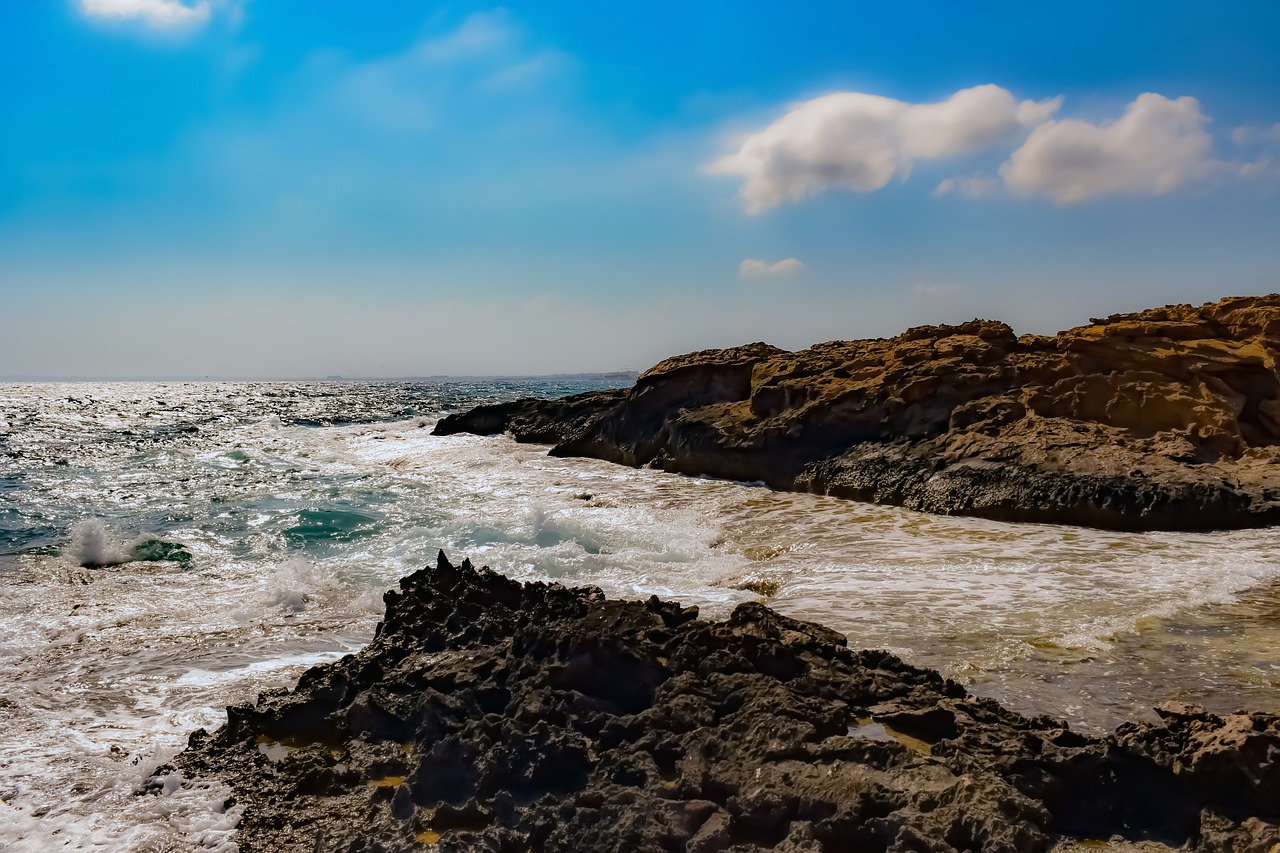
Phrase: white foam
[296,583]
[886,576]
[135,658]
[198,677]
[92,544]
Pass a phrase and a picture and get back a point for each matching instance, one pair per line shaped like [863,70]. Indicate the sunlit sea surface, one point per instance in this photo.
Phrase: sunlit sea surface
[297,504]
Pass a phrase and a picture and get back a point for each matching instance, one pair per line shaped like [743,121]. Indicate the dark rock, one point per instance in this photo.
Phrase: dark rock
[1233,759]
[533,420]
[1163,419]
[492,715]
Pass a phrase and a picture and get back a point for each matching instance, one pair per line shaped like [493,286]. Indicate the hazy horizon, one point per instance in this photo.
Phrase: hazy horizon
[316,376]
[257,189]
[431,377]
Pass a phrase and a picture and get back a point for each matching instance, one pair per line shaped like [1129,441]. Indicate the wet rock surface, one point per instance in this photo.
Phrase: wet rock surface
[1162,419]
[498,716]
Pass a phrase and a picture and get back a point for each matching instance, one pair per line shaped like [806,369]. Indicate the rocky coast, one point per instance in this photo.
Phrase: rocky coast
[498,716]
[1165,419]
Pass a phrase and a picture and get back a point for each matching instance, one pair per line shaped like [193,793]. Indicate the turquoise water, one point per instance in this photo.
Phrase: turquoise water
[247,530]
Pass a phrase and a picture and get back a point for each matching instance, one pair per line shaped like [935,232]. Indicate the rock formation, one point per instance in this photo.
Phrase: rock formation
[489,715]
[1164,419]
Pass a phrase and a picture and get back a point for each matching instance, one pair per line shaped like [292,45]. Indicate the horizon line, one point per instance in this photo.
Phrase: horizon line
[433,377]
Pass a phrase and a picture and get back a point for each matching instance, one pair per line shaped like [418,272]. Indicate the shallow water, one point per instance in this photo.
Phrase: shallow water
[297,504]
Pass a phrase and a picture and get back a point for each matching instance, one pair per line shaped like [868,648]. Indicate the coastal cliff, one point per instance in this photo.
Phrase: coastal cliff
[1163,419]
[493,715]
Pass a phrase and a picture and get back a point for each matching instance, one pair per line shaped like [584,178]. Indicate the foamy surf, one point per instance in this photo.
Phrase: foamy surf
[298,504]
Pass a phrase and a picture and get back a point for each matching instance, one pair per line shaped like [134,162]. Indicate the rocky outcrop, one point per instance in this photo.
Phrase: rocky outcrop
[533,419]
[499,716]
[1163,419]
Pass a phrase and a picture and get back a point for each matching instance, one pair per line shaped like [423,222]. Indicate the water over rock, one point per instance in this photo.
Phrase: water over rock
[1164,419]
[498,716]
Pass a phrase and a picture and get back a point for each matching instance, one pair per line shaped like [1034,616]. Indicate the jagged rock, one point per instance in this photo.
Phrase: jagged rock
[492,715]
[535,420]
[1236,757]
[1164,419]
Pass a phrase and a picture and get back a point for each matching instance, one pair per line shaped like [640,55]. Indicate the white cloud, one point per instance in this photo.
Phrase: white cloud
[1253,134]
[1264,170]
[528,74]
[411,138]
[158,14]
[785,268]
[480,35]
[974,186]
[855,141]
[1032,113]
[443,79]
[937,292]
[1264,142]
[1157,146]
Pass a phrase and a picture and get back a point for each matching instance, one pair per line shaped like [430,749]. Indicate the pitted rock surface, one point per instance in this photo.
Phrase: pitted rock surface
[489,715]
[1163,419]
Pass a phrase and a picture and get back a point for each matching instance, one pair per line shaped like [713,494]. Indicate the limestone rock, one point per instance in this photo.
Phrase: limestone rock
[1163,419]
[492,715]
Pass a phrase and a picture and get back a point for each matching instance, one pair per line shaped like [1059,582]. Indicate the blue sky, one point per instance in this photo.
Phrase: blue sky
[287,188]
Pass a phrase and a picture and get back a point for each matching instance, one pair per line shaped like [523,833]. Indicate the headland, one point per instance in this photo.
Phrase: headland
[1164,419]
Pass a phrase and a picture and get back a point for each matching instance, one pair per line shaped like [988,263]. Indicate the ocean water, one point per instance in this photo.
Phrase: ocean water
[167,549]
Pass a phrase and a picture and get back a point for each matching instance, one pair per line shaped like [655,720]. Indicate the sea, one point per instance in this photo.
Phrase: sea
[168,549]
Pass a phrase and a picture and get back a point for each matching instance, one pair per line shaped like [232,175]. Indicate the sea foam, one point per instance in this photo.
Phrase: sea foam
[94,547]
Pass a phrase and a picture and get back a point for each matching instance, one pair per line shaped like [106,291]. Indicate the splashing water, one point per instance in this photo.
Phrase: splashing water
[251,528]
[94,548]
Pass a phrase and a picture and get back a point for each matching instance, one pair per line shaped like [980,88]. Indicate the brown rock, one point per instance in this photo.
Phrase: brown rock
[1164,419]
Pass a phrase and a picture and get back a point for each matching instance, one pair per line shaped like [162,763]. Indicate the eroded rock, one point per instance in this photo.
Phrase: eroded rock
[1162,419]
[493,715]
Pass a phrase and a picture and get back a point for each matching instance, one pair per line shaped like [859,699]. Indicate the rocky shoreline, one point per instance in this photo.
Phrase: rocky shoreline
[1165,419]
[492,715]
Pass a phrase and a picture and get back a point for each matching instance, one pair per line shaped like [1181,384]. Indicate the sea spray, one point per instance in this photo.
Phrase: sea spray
[138,656]
[94,547]
[297,582]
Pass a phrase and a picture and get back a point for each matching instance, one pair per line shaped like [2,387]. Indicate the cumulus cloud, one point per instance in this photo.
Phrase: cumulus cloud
[1155,147]
[753,268]
[974,186]
[158,14]
[1032,113]
[859,142]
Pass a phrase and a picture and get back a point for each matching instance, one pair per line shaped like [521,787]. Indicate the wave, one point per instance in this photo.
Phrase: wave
[297,583]
[94,546]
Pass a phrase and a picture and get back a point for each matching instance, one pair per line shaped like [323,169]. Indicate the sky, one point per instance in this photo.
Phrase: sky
[300,188]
